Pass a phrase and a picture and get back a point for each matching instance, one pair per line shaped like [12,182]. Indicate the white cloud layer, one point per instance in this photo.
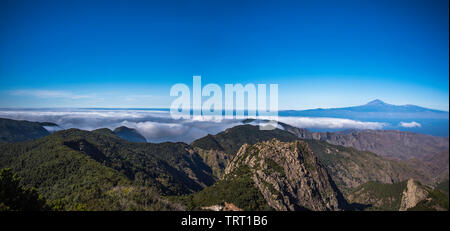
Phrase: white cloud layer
[412,124]
[158,126]
[330,123]
[155,126]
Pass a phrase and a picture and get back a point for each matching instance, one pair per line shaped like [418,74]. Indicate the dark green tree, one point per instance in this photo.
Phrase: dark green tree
[14,197]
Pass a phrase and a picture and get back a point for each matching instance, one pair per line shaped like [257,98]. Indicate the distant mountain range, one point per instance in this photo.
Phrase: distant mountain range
[399,117]
[375,109]
[424,152]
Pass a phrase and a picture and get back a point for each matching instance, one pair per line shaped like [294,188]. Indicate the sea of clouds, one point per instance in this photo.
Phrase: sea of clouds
[158,126]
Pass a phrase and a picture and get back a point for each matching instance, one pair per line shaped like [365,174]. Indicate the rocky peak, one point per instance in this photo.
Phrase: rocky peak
[376,102]
[289,176]
[413,194]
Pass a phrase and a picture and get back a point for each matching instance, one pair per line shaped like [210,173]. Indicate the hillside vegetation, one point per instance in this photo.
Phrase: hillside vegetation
[407,195]
[21,130]
[83,170]
[15,197]
[425,153]
[273,175]
[350,168]
[240,168]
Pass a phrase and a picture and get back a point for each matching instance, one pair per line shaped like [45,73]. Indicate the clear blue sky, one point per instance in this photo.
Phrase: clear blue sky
[129,53]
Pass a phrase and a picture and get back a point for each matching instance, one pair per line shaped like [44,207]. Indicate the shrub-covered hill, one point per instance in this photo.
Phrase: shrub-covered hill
[348,166]
[406,195]
[15,197]
[97,170]
[443,186]
[21,130]
[428,154]
[231,140]
[237,189]
[217,150]
[378,196]
[272,175]
[81,168]
[129,134]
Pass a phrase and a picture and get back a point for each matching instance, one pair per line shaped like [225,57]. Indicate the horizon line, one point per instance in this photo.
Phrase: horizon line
[168,109]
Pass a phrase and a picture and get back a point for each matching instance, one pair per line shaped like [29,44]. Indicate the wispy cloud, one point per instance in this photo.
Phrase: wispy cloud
[49,94]
[412,124]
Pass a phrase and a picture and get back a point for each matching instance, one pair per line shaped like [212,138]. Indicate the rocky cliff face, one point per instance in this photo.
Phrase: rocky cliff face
[390,143]
[375,195]
[412,195]
[289,176]
[426,153]
[401,196]
[217,150]
[347,166]
[217,160]
[387,143]
[350,168]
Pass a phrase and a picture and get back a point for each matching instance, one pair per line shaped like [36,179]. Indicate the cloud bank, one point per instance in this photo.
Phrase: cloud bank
[158,126]
[330,123]
[155,126]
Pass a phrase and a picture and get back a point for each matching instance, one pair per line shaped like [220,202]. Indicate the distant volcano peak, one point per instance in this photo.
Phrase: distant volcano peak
[376,102]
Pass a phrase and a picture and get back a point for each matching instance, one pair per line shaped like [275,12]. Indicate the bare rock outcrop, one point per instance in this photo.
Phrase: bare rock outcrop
[412,195]
[289,176]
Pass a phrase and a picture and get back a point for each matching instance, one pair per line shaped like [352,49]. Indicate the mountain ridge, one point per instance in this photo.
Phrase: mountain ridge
[129,134]
[425,152]
[376,105]
[284,176]
[79,169]
[21,130]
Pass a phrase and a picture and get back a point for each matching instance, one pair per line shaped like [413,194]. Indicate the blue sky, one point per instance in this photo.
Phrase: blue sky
[129,53]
